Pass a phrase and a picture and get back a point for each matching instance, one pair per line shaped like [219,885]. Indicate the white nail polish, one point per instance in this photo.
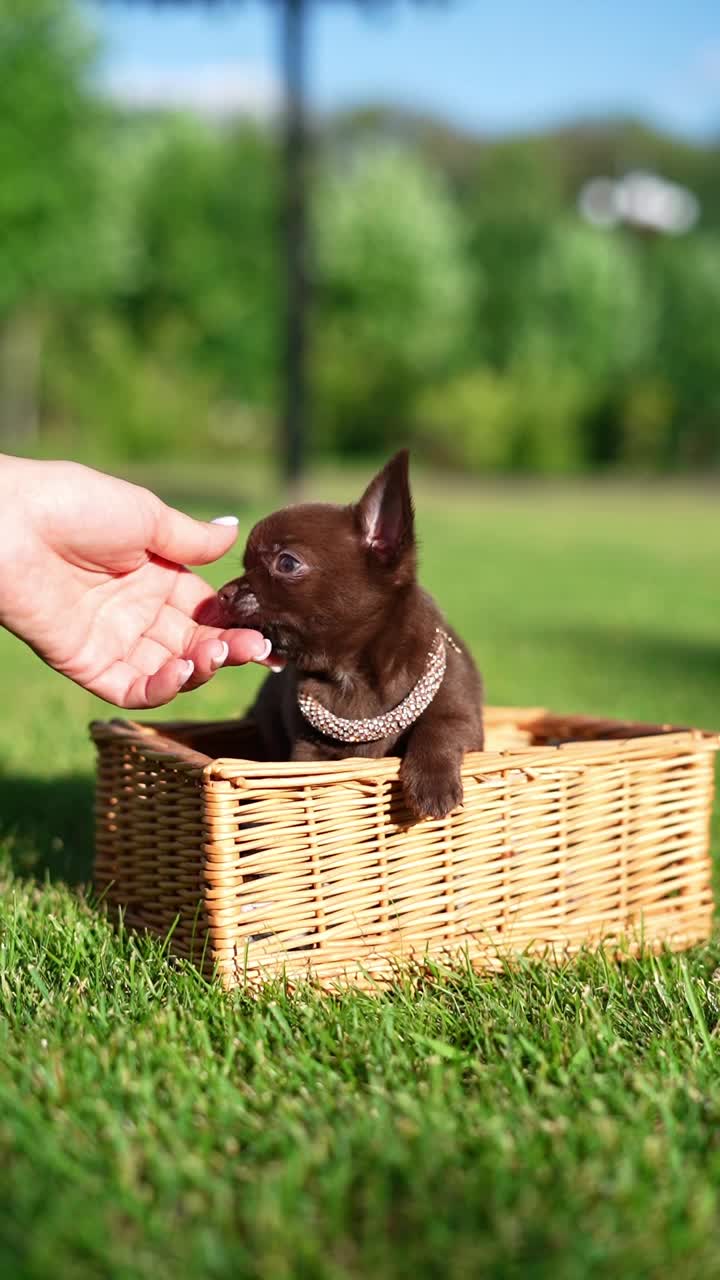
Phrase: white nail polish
[221,658]
[226,520]
[189,668]
[267,650]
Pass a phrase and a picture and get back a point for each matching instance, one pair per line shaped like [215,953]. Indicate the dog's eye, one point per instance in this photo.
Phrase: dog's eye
[287,563]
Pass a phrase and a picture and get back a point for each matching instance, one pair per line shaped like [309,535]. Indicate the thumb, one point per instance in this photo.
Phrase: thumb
[181,539]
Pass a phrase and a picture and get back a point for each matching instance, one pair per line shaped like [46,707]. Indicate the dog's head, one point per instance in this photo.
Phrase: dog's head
[320,580]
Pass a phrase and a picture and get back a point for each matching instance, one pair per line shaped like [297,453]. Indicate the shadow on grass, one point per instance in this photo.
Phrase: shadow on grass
[677,662]
[46,827]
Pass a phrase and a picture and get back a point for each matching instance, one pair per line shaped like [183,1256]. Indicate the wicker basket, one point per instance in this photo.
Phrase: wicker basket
[574,832]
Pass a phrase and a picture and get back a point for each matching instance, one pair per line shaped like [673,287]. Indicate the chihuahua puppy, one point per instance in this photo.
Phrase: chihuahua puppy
[370,666]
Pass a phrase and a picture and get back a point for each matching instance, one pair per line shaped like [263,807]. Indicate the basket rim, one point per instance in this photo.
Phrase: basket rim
[622,737]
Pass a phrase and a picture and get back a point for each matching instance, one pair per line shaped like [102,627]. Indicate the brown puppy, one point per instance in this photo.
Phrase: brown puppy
[369,657]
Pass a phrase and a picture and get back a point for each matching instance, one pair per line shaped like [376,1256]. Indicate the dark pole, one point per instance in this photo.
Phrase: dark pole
[296,249]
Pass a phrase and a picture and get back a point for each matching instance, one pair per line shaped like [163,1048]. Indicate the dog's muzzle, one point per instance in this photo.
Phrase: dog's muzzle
[237,601]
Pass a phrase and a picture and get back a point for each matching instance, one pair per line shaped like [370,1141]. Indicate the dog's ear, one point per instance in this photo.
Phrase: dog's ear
[384,514]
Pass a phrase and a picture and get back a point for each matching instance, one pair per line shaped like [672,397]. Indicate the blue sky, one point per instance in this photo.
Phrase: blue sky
[511,64]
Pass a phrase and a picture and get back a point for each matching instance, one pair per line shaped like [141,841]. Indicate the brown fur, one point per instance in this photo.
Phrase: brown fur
[355,628]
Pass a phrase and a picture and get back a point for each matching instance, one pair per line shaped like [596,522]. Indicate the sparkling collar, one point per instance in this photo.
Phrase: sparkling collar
[390,722]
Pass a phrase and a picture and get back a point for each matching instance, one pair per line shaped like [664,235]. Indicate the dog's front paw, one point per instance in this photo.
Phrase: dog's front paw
[431,791]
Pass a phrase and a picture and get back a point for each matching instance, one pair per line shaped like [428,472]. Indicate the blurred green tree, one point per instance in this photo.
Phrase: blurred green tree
[688,352]
[392,294]
[208,268]
[514,200]
[53,241]
[585,305]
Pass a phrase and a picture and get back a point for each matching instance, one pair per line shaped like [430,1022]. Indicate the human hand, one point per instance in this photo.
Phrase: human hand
[92,577]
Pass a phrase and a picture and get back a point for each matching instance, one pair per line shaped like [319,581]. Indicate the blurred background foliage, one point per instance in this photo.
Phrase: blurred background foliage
[460,303]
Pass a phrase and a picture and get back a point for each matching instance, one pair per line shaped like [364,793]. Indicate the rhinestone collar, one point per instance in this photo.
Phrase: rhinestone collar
[390,722]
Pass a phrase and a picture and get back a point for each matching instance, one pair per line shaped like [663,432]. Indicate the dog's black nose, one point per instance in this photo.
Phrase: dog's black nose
[228,594]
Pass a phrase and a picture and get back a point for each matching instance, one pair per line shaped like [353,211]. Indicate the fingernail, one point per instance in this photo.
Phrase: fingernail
[228,520]
[276,670]
[264,652]
[188,668]
[219,654]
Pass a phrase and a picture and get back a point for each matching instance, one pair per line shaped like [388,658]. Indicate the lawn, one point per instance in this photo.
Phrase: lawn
[545,1123]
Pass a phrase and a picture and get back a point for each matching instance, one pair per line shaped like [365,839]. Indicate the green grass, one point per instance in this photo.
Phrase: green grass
[546,1123]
